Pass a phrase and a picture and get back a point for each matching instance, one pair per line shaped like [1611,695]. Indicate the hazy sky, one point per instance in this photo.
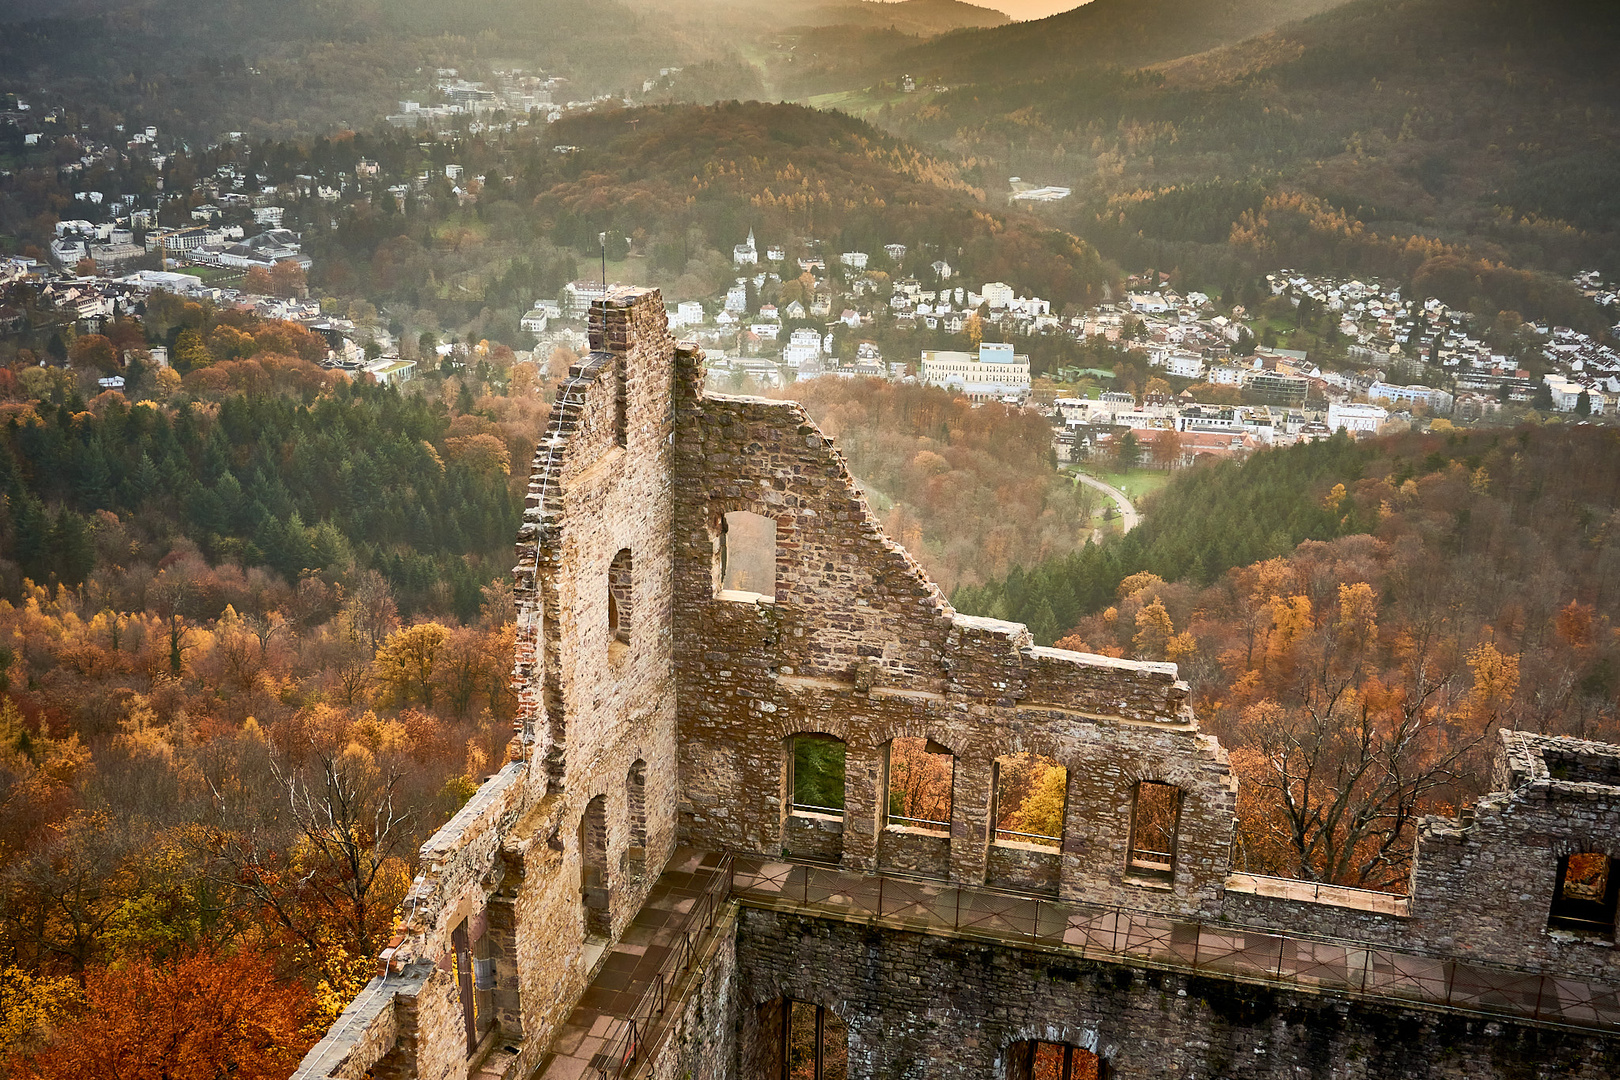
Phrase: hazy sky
[1029,9]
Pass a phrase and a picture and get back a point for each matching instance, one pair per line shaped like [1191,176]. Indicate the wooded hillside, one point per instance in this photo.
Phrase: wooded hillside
[1356,620]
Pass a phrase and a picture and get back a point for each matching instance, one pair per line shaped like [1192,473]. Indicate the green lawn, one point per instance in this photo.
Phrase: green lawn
[1136,483]
[859,103]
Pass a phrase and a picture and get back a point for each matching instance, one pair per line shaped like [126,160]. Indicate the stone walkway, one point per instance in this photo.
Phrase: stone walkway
[629,968]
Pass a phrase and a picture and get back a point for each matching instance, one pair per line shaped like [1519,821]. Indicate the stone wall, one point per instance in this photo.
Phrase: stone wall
[921,1006]
[859,644]
[647,691]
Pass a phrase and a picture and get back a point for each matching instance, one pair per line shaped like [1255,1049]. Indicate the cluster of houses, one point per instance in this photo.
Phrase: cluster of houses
[1410,357]
[36,297]
[522,96]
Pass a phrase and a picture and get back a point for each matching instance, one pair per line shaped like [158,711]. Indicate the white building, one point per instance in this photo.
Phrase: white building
[688,313]
[1355,417]
[998,294]
[855,260]
[746,254]
[1416,394]
[994,372]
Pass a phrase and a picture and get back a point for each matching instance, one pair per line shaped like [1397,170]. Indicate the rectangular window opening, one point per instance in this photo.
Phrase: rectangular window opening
[1038,1060]
[815,1043]
[1031,793]
[921,773]
[1588,887]
[747,556]
[818,775]
[1154,822]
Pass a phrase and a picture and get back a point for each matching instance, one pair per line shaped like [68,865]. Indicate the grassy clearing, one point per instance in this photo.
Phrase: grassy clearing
[1137,484]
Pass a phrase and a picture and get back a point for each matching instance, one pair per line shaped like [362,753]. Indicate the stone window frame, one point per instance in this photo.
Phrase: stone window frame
[722,531]
[621,603]
[790,762]
[595,846]
[1156,869]
[1042,841]
[1591,917]
[1021,1059]
[818,1038]
[892,820]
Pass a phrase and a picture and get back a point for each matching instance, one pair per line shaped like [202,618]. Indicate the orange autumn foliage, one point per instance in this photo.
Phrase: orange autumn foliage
[199,1018]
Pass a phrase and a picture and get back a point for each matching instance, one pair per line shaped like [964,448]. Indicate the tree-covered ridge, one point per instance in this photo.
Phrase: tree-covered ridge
[1204,522]
[1548,490]
[1111,33]
[302,66]
[352,479]
[790,172]
[1370,139]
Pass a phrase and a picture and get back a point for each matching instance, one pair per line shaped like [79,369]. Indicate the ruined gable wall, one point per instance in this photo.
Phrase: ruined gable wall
[1484,884]
[859,644]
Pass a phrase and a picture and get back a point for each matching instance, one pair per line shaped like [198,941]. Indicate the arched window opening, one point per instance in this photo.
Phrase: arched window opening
[1031,794]
[817,782]
[1038,1060]
[815,1043]
[620,602]
[747,556]
[1588,887]
[593,869]
[921,774]
[1155,819]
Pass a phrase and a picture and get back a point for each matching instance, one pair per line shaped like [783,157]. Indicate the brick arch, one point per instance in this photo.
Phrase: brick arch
[839,727]
[882,733]
[1084,1038]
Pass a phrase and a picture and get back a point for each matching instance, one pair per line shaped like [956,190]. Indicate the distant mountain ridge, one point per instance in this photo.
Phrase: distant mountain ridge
[921,17]
[1401,138]
[1112,33]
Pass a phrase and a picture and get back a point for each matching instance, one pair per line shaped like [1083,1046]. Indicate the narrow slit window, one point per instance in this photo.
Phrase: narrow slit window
[748,554]
[1588,887]
[921,773]
[1031,794]
[818,775]
[620,600]
[593,869]
[1154,822]
[635,798]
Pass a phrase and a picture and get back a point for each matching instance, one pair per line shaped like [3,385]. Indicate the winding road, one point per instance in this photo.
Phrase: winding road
[1129,517]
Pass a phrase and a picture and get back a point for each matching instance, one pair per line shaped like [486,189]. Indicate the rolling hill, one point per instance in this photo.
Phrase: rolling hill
[1372,137]
[1102,33]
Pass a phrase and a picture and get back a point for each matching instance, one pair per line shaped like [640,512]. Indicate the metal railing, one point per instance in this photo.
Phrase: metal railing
[629,1038]
[1142,938]
[811,808]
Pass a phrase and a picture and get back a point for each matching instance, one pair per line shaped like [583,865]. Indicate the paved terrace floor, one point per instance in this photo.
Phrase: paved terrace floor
[643,970]
[592,1040]
[1142,939]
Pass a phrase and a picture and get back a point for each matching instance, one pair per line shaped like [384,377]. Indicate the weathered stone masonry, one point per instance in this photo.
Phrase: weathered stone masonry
[658,708]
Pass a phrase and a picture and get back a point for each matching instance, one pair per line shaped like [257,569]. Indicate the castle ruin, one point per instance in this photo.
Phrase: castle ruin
[695,863]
